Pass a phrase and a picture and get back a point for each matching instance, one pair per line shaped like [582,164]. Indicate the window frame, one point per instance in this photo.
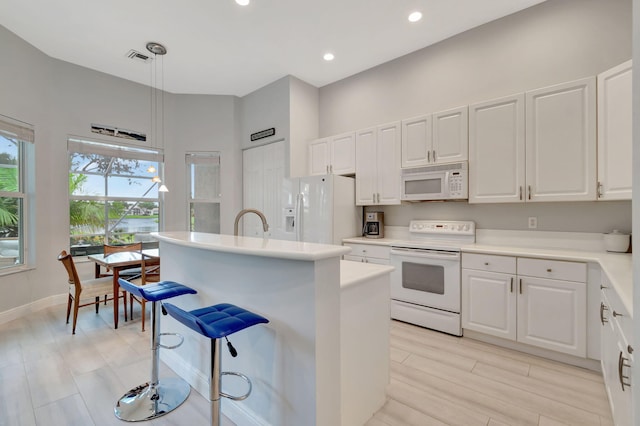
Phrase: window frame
[201,157]
[23,134]
[83,145]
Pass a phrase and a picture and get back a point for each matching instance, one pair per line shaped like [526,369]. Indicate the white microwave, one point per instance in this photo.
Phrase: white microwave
[439,182]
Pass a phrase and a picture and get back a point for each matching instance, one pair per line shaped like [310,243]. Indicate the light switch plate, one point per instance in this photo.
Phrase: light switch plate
[533,222]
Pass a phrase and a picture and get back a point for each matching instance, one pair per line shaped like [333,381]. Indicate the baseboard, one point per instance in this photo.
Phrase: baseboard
[590,364]
[237,412]
[20,311]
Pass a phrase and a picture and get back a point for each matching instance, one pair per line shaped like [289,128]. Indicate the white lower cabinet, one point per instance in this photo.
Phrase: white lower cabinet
[546,308]
[368,253]
[617,354]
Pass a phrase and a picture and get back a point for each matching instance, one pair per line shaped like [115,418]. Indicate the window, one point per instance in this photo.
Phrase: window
[113,195]
[203,170]
[16,155]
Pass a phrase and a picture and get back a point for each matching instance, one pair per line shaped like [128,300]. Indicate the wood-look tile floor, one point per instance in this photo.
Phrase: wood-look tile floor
[438,379]
[49,377]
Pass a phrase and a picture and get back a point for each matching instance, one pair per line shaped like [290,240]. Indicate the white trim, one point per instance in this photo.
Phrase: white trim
[20,311]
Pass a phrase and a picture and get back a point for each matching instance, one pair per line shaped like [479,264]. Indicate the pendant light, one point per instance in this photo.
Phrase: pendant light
[157,103]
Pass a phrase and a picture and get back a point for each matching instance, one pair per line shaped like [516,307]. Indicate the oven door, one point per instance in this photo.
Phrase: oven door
[426,277]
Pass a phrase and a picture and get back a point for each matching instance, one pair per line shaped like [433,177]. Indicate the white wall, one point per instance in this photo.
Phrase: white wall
[304,107]
[555,41]
[265,108]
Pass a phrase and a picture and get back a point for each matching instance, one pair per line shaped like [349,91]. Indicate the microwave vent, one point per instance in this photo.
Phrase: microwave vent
[436,168]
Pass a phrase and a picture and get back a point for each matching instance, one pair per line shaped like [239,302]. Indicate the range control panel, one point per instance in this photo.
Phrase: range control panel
[440,227]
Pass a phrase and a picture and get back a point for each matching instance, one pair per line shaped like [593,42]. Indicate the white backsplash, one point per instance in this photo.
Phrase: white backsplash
[583,241]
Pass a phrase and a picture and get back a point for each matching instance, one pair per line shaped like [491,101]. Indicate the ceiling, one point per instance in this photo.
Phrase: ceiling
[219,47]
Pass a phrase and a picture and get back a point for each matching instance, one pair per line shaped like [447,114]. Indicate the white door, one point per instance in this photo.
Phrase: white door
[388,164]
[561,142]
[416,141]
[343,154]
[450,135]
[552,314]
[366,166]
[614,133]
[497,150]
[263,176]
[489,303]
[319,154]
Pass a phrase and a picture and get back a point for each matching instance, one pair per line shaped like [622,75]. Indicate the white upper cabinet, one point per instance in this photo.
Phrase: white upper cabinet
[378,165]
[561,142]
[497,150]
[436,138]
[319,158]
[614,133]
[417,143]
[451,135]
[333,155]
[537,146]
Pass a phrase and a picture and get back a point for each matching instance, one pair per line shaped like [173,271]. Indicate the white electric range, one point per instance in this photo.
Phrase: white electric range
[425,285]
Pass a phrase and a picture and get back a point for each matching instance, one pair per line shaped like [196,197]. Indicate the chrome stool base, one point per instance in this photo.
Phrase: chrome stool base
[146,403]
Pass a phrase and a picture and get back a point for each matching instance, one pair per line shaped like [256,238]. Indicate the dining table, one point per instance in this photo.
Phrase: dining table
[117,262]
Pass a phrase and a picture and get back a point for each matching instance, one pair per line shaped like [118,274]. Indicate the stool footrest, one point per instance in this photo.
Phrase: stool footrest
[180,336]
[242,376]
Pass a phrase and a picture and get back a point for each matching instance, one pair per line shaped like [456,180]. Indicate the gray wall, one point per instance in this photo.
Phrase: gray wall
[61,99]
[553,42]
[635,372]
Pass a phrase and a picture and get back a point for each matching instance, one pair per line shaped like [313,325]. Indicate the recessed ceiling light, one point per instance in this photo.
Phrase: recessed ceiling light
[328,57]
[243,2]
[415,17]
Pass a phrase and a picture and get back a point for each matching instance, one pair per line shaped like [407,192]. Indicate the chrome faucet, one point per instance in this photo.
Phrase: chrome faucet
[265,225]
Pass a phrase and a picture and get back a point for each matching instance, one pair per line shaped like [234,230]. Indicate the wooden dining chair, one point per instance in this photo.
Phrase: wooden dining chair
[91,290]
[150,274]
[126,273]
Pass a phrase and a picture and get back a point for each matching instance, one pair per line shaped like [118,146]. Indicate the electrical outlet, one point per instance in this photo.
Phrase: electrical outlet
[533,222]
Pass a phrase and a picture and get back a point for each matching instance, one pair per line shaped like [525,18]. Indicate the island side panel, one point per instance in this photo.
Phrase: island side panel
[282,357]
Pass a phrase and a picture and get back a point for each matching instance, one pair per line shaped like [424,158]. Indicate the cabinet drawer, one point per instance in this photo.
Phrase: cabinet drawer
[489,262]
[613,304]
[553,269]
[369,250]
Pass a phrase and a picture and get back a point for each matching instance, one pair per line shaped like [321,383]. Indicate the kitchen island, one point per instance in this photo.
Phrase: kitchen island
[294,361]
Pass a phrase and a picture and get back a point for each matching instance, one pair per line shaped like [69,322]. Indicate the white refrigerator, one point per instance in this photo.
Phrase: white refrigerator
[313,209]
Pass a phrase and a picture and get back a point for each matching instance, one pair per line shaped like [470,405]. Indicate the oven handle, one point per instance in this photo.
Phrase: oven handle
[424,254]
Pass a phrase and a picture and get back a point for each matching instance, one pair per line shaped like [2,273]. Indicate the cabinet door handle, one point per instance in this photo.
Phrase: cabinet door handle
[615,314]
[520,192]
[621,364]
[529,187]
[330,168]
[520,286]
[549,270]
[599,190]
[511,287]
[603,308]
[428,156]
[434,155]
[486,263]
[602,287]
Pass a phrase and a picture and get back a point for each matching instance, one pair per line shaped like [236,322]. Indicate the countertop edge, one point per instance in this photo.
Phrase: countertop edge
[291,250]
[363,272]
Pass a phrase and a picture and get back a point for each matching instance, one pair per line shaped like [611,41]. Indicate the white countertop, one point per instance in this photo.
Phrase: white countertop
[617,266]
[265,247]
[353,273]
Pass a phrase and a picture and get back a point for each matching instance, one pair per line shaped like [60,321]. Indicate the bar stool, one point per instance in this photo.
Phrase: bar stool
[157,397]
[215,322]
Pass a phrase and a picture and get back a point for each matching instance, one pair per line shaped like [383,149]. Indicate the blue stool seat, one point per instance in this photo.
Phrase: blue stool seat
[158,291]
[156,397]
[216,321]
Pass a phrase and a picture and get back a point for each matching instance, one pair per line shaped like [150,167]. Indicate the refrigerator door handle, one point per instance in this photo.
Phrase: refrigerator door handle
[298,216]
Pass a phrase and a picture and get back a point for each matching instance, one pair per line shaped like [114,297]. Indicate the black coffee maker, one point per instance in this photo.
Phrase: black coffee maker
[373,225]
